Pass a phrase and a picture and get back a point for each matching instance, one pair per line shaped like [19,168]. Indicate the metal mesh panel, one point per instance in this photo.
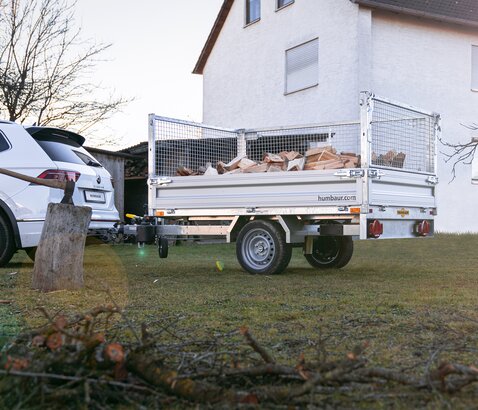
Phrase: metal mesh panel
[343,137]
[402,138]
[190,145]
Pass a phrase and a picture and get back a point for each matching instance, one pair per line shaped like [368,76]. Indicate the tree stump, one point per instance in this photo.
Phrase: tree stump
[59,257]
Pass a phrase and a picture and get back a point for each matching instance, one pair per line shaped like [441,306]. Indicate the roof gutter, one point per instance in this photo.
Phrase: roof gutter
[415,13]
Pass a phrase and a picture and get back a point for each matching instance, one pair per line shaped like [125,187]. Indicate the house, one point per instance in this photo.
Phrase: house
[291,62]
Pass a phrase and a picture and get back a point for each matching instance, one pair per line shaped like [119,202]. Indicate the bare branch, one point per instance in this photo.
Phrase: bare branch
[44,65]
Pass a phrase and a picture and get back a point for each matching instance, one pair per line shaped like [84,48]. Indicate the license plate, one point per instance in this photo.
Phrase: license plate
[95,196]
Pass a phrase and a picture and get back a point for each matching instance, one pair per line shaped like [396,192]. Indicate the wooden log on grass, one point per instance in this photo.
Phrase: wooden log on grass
[59,256]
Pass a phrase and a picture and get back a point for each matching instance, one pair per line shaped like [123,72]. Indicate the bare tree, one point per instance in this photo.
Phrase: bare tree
[461,153]
[44,66]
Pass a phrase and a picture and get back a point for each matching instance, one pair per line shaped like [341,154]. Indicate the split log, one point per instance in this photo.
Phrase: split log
[221,167]
[246,163]
[272,158]
[234,163]
[321,165]
[59,257]
[257,168]
[274,168]
[319,150]
[184,172]
[211,171]
[296,164]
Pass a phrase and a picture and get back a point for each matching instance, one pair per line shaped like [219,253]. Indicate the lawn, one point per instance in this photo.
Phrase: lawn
[412,301]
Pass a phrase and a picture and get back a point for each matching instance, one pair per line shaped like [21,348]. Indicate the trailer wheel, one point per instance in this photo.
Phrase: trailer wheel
[163,247]
[7,242]
[331,252]
[261,248]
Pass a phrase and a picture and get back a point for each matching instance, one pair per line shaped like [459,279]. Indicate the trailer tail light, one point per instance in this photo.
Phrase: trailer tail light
[423,228]
[375,229]
[60,175]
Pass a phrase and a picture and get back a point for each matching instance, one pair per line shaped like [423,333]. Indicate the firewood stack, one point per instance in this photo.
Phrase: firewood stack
[390,159]
[320,158]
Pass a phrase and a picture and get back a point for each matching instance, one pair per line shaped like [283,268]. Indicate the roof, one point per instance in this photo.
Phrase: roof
[137,149]
[213,35]
[464,12]
[118,154]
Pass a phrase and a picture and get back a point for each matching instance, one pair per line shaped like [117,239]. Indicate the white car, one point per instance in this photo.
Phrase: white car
[48,153]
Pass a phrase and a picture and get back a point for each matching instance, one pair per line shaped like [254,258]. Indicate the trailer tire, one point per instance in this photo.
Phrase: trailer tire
[261,248]
[331,252]
[163,247]
[7,241]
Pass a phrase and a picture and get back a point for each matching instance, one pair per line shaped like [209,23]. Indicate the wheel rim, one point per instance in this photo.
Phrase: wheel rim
[258,249]
[326,250]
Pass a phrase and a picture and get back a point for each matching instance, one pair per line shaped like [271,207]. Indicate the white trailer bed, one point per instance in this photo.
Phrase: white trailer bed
[322,210]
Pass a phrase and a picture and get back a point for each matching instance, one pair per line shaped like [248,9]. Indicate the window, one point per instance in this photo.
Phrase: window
[302,66]
[4,145]
[64,150]
[474,68]
[253,11]
[283,3]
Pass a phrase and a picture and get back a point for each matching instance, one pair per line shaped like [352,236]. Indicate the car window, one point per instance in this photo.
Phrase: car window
[65,150]
[4,145]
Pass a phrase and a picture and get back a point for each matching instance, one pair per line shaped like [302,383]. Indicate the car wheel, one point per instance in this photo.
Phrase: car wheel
[331,252]
[7,242]
[261,248]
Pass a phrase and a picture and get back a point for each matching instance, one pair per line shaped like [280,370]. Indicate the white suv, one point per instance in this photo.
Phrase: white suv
[48,153]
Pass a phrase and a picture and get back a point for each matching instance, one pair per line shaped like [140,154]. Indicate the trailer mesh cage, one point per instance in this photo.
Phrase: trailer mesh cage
[399,137]
[402,137]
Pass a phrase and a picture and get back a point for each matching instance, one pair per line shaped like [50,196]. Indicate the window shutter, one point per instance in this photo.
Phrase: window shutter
[302,66]
[474,67]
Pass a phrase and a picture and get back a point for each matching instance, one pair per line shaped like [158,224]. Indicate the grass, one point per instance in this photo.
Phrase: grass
[409,299]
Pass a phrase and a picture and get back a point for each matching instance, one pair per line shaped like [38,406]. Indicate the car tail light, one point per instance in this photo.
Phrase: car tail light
[60,175]
[423,228]
[375,229]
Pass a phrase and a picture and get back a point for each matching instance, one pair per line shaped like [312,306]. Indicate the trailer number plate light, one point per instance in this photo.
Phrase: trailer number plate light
[403,212]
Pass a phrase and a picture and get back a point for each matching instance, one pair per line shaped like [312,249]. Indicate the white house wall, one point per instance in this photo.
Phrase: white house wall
[416,61]
[428,64]
[245,73]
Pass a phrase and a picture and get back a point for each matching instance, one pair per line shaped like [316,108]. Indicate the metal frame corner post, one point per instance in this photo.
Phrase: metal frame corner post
[151,161]
[366,112]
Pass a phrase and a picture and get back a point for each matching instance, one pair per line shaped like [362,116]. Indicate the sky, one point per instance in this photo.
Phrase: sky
[155,46]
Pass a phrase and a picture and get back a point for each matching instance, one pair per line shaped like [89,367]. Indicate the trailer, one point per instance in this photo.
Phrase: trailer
[377,181]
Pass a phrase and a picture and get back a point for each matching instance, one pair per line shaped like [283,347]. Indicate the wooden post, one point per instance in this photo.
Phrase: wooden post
[59,256]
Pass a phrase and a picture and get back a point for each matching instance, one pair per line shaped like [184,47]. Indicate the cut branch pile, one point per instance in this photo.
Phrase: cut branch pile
[73,362]
[314,159]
